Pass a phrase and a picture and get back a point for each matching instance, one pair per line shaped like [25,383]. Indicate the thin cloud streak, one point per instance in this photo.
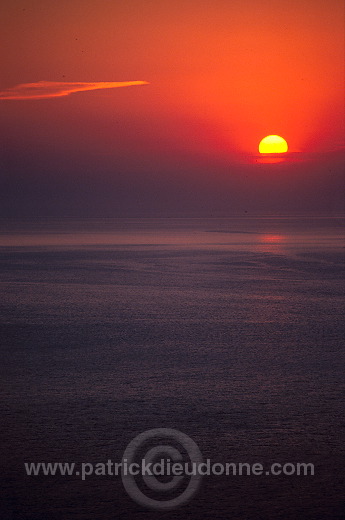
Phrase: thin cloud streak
[51,89]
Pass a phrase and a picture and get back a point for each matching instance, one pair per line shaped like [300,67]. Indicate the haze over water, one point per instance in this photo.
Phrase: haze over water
[229,330]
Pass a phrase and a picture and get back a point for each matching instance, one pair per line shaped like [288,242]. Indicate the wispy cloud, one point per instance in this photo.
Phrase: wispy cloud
[51,89]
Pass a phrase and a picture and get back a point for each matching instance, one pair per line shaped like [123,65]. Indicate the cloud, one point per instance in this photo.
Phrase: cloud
[51,89]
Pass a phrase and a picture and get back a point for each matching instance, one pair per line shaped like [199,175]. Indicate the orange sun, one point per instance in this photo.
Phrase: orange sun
[273,144]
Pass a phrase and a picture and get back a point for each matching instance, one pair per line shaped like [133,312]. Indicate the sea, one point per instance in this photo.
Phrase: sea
[220,335]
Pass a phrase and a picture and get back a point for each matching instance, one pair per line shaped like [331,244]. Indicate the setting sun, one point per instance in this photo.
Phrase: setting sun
[273,144]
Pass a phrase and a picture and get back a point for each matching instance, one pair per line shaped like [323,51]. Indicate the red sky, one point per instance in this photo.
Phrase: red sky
[221,76]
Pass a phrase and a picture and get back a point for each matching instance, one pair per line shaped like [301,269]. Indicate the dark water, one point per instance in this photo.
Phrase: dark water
[229,330]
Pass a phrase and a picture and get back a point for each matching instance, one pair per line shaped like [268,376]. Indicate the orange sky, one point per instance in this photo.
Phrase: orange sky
[221,75]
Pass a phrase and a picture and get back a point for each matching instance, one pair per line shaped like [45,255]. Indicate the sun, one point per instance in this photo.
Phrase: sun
[273,144]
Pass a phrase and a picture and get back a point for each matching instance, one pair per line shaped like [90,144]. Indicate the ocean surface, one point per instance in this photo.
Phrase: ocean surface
[228,330]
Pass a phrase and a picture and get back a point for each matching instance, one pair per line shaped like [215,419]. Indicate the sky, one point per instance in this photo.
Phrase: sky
[152,108]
